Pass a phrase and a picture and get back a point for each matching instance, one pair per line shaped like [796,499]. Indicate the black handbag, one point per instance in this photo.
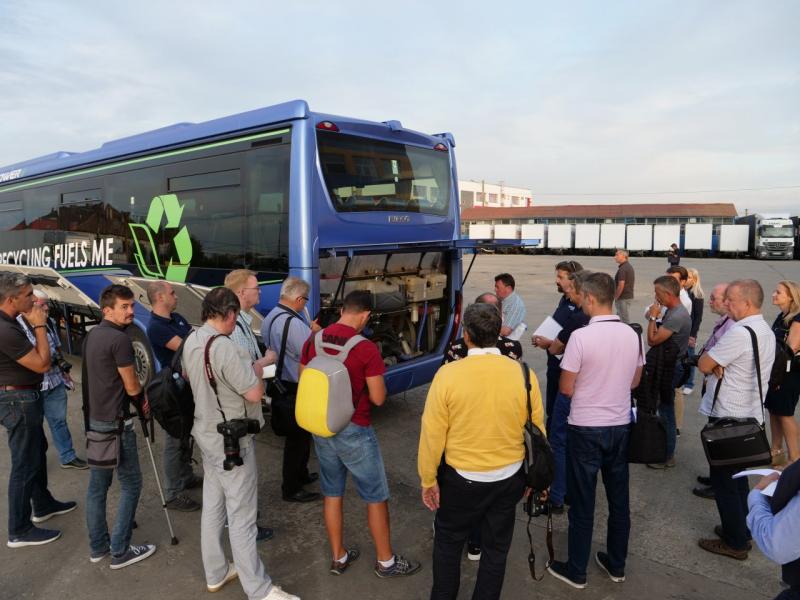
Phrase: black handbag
[647,441]
[737,443]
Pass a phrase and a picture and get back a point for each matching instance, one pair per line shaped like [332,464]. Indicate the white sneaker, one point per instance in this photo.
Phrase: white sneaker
[687,391]
[277,593]
[229,576]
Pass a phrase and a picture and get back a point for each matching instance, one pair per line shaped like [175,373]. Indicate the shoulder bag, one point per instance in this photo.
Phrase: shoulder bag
[738,443]
[282,393]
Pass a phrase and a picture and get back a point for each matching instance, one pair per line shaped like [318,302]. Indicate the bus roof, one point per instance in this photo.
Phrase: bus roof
[170,136]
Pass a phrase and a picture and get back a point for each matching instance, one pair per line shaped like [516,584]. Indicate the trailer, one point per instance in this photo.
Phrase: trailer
[612,236]
[733,238]
[770,236]
[560,236]
[664,236]
[640,238]
[480,232]
[506,232]
[697,236]
[534,231]
[587,236]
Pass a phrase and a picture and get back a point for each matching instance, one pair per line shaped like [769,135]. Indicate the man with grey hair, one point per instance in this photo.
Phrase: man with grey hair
[285,330]
[21,412]
[54,386]
[623,280]
[731,363]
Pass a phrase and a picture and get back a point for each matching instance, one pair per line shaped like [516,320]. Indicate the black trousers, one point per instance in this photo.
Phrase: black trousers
[296,452]
[462,504]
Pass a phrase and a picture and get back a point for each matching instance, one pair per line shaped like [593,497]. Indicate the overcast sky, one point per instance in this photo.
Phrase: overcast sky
[579,101]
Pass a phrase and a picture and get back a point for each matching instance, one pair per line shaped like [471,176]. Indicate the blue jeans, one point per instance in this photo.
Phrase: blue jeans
[130,484]
[21,415]
[589,450]
[177,470]
[55,411]
[667,410]
[557,435]
[690,378]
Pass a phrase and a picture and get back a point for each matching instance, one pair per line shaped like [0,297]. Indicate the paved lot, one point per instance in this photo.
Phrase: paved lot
[664,561]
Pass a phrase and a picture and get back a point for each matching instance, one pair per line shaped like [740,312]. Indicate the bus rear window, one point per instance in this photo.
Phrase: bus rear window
[362,174]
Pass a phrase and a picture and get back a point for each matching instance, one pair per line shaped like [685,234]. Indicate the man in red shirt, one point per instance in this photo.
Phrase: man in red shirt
[355,449]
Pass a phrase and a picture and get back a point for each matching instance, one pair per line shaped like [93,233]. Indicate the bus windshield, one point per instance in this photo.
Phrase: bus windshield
[362,174]
[776,232]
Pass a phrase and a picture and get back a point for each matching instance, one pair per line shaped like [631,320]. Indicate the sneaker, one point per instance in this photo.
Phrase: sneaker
[687,391]
[97,557]
[402,566]
[719,547]
[229,576]
[76,463]
[473,551]
[132,555]
[182,503]
[339,567]
[669,464]
[34,537]
[559,571]
[276,593]
[264,533]
[601,558]
[195,482]
[59,508]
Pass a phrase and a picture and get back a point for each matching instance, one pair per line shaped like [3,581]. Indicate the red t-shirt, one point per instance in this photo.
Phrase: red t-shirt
[363,361]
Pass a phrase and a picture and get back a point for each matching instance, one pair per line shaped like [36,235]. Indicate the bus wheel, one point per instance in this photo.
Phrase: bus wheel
[144,364]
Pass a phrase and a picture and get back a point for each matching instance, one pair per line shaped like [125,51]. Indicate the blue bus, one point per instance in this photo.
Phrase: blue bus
[343,203]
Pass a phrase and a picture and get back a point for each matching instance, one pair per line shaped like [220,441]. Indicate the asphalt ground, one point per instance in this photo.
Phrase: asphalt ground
[664,561]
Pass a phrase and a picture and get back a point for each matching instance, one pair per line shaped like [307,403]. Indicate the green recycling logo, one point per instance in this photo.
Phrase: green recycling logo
[162,206]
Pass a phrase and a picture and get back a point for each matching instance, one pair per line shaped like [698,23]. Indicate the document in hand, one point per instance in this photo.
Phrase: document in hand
[548,329]
[767,491]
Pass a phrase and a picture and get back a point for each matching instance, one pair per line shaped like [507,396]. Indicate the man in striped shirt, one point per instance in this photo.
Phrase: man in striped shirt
[513,306]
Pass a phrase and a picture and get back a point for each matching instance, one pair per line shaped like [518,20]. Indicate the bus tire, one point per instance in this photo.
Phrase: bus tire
[144,364]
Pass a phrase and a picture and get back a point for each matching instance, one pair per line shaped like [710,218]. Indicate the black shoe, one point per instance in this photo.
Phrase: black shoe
[183,503]
[601,558]
[58,508]
[264,533]
[302,496]
[703,480]
[312,477]
[559,571]
[677,432]
[704,492]
[34,537]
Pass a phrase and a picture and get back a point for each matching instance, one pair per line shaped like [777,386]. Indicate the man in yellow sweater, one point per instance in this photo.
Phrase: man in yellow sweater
[470,454]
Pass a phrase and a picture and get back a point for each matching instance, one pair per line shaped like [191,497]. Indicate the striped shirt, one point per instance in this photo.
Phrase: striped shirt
[513,311]
[53,378]
[244,337]
[738,394]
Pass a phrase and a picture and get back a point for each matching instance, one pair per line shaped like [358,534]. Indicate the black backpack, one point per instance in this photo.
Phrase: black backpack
[539,463]
[171,399]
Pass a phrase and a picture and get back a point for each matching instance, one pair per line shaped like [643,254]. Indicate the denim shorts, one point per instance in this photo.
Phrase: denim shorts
[354,449]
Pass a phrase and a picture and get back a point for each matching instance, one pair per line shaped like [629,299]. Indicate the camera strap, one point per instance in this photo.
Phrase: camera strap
[212,381]
[757,361]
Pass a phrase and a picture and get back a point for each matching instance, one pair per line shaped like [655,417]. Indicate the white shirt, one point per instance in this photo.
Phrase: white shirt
[738,394]
[685,300]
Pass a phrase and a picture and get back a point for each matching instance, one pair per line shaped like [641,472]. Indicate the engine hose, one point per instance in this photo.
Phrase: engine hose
[422,324]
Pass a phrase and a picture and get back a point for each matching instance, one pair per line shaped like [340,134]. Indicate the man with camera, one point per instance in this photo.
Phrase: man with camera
[21,413]
[285,331]
[474,418]
[55,384]
[110,386]
[166,331]
[227,390]
[733,363]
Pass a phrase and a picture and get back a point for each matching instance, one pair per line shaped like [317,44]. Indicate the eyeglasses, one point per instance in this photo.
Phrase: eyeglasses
[252,288]
[303,298]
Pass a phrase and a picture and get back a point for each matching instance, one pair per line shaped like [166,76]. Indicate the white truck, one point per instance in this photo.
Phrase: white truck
[770,236]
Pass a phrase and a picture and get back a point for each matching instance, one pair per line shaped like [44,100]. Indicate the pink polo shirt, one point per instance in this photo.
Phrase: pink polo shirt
[605,355]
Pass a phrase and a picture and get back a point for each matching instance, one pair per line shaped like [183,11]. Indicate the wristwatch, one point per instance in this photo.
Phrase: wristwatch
[652,318]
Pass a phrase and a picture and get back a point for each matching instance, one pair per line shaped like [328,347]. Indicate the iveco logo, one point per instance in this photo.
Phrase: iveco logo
[399,219]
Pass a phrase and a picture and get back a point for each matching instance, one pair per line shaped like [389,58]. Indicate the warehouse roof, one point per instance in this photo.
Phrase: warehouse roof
[600,211]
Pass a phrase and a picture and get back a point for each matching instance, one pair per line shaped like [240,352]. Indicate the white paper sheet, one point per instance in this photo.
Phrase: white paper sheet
[548,329]
[767,491]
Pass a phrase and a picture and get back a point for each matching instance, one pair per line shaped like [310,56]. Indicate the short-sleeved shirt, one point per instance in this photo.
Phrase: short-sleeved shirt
[738,394]
[625,273]
[234,375]
[363,361]
[272,336]
[54,377]
[679,322]
[243,336]
[576,320]
[161,330]
[108,348]
[513,310]
[508,347]
[14,344]
[563,312]
[605,355]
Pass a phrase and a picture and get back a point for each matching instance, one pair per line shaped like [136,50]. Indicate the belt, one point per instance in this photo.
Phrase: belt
[14,388]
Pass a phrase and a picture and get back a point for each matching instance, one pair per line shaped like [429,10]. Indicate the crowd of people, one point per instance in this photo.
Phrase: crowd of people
[471,451]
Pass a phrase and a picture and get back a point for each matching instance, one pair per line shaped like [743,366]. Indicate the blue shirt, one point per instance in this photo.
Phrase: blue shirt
[778,536]
[513,310]
[562,315]
[272,332]
[161,330]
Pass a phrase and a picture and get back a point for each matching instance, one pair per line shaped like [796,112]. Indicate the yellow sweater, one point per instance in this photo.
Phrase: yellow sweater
[475,413]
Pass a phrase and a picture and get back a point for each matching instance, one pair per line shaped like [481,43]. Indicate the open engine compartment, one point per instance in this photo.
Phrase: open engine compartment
[410,292]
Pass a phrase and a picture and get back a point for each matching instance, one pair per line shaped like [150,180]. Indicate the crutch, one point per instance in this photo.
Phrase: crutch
[147,436]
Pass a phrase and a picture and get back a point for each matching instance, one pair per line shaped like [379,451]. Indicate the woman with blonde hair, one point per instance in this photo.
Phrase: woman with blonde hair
[781,402]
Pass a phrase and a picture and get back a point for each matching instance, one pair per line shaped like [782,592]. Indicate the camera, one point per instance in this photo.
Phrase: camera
[534,505]
[57,360]
[231,432]
[691,361]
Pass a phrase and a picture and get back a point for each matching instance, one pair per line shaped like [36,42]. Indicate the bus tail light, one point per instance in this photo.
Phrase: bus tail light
[327,126]
[456,317]
[440,146]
